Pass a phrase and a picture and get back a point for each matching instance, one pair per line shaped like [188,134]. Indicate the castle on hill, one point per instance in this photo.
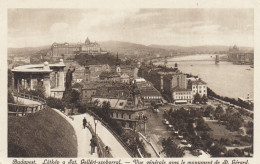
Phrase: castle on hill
[59,50]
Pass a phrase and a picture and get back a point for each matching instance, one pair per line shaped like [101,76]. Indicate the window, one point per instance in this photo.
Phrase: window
[122,116]
[129,116]
[116,115]
[121,103]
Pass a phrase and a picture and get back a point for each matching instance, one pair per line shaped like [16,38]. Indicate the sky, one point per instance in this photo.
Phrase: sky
[181,27]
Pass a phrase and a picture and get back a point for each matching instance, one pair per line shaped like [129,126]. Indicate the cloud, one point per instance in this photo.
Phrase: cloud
[146,26]
[59,27]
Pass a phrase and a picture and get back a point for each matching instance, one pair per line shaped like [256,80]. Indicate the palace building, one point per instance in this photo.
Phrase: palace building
[64,49]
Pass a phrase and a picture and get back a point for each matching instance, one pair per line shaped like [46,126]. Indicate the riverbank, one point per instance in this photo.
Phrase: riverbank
[224,78]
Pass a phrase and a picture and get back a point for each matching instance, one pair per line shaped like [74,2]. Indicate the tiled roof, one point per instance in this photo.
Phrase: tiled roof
[198,82]
[180,89]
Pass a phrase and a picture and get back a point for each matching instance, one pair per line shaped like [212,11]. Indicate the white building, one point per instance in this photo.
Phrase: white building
[182,96]
[199,87]
[125,78]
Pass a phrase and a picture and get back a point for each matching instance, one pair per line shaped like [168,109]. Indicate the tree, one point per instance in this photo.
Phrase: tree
[235,122]
[231,153]
[9,78]
[219,112]
[204,99]
[208,111]
[197,98]
[171,149]
[216,150]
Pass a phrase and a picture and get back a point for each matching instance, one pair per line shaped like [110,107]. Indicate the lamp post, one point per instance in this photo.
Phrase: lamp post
[95,121]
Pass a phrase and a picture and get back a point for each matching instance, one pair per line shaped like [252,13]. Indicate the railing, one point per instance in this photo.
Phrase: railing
[29,97]
[112,132]
[150,143]
[100,145]
[21,109]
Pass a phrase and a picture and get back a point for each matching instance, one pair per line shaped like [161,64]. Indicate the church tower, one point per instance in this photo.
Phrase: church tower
[118,69]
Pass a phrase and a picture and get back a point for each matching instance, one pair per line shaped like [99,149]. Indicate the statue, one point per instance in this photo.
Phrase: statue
[68,87]
[68,83]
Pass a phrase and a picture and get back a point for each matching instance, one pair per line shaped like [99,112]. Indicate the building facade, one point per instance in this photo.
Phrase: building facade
[63,49]
[199,87]
[182,96]
[237,56]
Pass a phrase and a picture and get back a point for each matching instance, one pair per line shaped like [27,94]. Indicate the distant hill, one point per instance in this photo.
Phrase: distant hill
[132,49]
[28,51]
[126,49]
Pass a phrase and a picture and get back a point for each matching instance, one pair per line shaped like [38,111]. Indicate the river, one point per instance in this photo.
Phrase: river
[225,78]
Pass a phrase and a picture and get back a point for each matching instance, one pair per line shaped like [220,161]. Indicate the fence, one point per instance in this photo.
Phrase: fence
[112,132]
[22,110]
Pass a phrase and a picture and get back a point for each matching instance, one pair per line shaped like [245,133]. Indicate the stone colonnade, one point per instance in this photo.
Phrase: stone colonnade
[30,78]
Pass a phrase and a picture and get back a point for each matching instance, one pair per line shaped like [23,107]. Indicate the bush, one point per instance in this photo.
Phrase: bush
[247,139]
[10,98]
[54,103]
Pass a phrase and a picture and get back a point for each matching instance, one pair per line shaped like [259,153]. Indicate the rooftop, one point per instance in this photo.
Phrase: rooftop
[38,68]
[177,89]
[198,82]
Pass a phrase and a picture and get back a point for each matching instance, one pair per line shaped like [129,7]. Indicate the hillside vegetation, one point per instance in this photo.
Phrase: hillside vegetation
[43,134]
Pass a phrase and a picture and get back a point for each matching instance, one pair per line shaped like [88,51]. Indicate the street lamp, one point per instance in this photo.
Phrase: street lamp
[95,121]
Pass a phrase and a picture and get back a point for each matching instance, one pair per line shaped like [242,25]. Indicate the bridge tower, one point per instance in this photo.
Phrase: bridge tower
[217,59]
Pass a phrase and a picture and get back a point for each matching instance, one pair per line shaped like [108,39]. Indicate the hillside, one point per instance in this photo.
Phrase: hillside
[28,51]
[132,49]
[43,134]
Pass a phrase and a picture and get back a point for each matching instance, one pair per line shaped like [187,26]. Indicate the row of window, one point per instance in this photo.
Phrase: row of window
[194,91]
[118,115]
[195,87]
[183,97]
[183,93]
[152,97]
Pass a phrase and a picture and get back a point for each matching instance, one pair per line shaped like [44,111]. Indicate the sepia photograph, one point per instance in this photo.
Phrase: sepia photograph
[130,83]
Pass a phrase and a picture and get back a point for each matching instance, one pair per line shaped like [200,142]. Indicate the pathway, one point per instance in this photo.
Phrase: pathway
[83,135]
[117,150]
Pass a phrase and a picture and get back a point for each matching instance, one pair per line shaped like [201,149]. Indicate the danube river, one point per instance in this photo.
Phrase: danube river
[225,78]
